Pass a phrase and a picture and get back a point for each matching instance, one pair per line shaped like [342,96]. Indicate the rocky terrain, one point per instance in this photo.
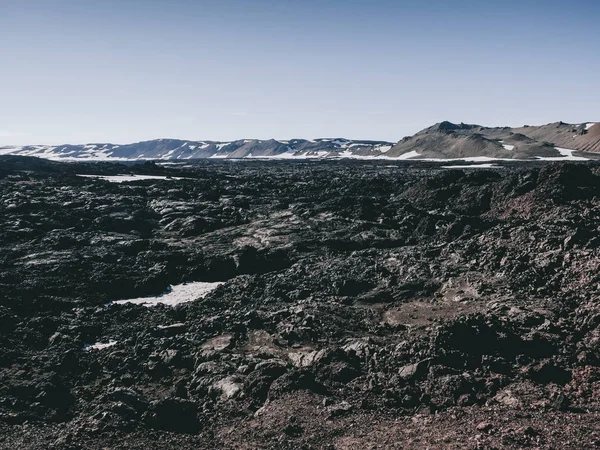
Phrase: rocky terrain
[343,305]
[444,140]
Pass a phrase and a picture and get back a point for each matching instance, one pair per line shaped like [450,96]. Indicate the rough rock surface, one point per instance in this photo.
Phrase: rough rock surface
[364,305]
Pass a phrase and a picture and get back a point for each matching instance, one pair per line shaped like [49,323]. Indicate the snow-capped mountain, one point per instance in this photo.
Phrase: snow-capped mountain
[174,149]
[443,141]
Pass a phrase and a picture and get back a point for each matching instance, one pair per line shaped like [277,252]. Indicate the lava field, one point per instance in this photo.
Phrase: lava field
[341,305]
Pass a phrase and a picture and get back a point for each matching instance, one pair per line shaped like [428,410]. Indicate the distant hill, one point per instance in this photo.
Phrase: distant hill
[175,149]
[444,140]
[448,140]
[584,137]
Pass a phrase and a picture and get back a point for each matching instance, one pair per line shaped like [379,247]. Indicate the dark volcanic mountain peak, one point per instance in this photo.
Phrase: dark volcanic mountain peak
[447,126]
[450,140]
[518,137]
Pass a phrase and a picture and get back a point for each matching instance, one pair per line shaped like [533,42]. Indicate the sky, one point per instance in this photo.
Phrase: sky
[120,71]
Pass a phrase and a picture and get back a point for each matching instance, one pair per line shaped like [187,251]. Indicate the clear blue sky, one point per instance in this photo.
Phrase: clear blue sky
[75,71]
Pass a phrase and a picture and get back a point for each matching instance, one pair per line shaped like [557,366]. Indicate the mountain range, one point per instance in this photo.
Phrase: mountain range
[444,140]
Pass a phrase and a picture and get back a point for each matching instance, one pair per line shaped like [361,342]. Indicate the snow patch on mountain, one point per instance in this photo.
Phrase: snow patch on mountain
[565,155]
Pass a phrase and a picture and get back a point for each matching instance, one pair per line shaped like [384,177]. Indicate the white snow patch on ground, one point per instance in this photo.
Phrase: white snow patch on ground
[98,345]
[348,154]
[409,155]
[174,325]
[289,154]
[467,159]
[384,148]
[565,155]
[471,166]
[589,125]
[508,146]
[229,387]
[129,178]
[181,293]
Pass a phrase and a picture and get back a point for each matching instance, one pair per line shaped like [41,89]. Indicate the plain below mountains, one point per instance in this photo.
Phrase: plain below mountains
[444,140]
